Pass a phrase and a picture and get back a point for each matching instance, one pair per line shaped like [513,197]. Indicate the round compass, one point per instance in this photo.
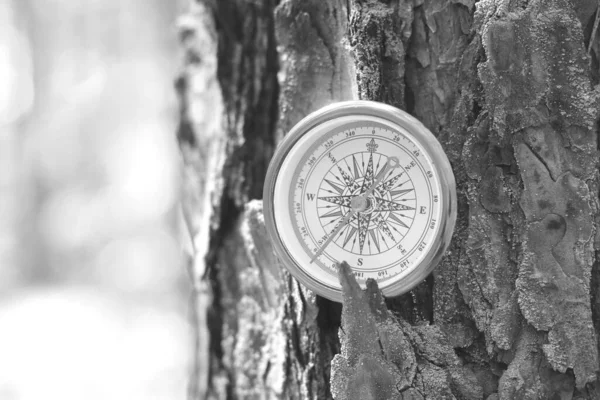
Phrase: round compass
[365,183]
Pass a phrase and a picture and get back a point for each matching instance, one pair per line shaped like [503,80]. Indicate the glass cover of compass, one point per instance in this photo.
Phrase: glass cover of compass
[365,183]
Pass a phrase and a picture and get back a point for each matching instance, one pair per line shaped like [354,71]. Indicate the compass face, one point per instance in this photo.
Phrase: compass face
[364,183]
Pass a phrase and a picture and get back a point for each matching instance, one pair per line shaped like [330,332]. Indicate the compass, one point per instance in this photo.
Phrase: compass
[365,183]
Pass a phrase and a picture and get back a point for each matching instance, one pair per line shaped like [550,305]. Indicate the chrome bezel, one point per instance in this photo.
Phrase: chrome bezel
[421,135]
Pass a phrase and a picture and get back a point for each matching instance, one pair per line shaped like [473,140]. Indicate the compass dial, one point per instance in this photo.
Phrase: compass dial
[364,183]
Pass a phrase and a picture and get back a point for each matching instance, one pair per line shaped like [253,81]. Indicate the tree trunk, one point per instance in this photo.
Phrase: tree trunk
[510,88]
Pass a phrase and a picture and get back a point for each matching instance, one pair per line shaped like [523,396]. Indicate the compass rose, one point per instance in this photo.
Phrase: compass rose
[390,207]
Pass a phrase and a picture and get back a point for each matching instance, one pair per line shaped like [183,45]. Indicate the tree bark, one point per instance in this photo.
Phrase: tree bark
[511,91]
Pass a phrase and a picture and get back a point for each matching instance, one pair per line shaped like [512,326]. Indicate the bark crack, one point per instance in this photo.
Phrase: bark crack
[542,161]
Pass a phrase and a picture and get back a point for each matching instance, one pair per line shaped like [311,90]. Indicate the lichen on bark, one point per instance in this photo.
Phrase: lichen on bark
[541,101]
[378,34]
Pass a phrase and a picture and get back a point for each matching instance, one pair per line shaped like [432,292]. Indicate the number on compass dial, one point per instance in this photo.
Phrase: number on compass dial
[390,232]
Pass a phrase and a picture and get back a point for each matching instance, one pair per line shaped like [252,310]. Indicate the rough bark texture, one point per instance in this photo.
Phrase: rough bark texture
[510,89]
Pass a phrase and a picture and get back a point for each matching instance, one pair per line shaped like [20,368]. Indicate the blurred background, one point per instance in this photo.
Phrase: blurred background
[93,287]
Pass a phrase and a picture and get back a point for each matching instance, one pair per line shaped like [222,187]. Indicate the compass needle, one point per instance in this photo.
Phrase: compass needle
[360,182]
[380,174]
[390,183]
[332,234]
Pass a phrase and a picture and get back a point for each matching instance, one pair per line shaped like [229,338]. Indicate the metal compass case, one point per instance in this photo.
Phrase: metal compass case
[365,183]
